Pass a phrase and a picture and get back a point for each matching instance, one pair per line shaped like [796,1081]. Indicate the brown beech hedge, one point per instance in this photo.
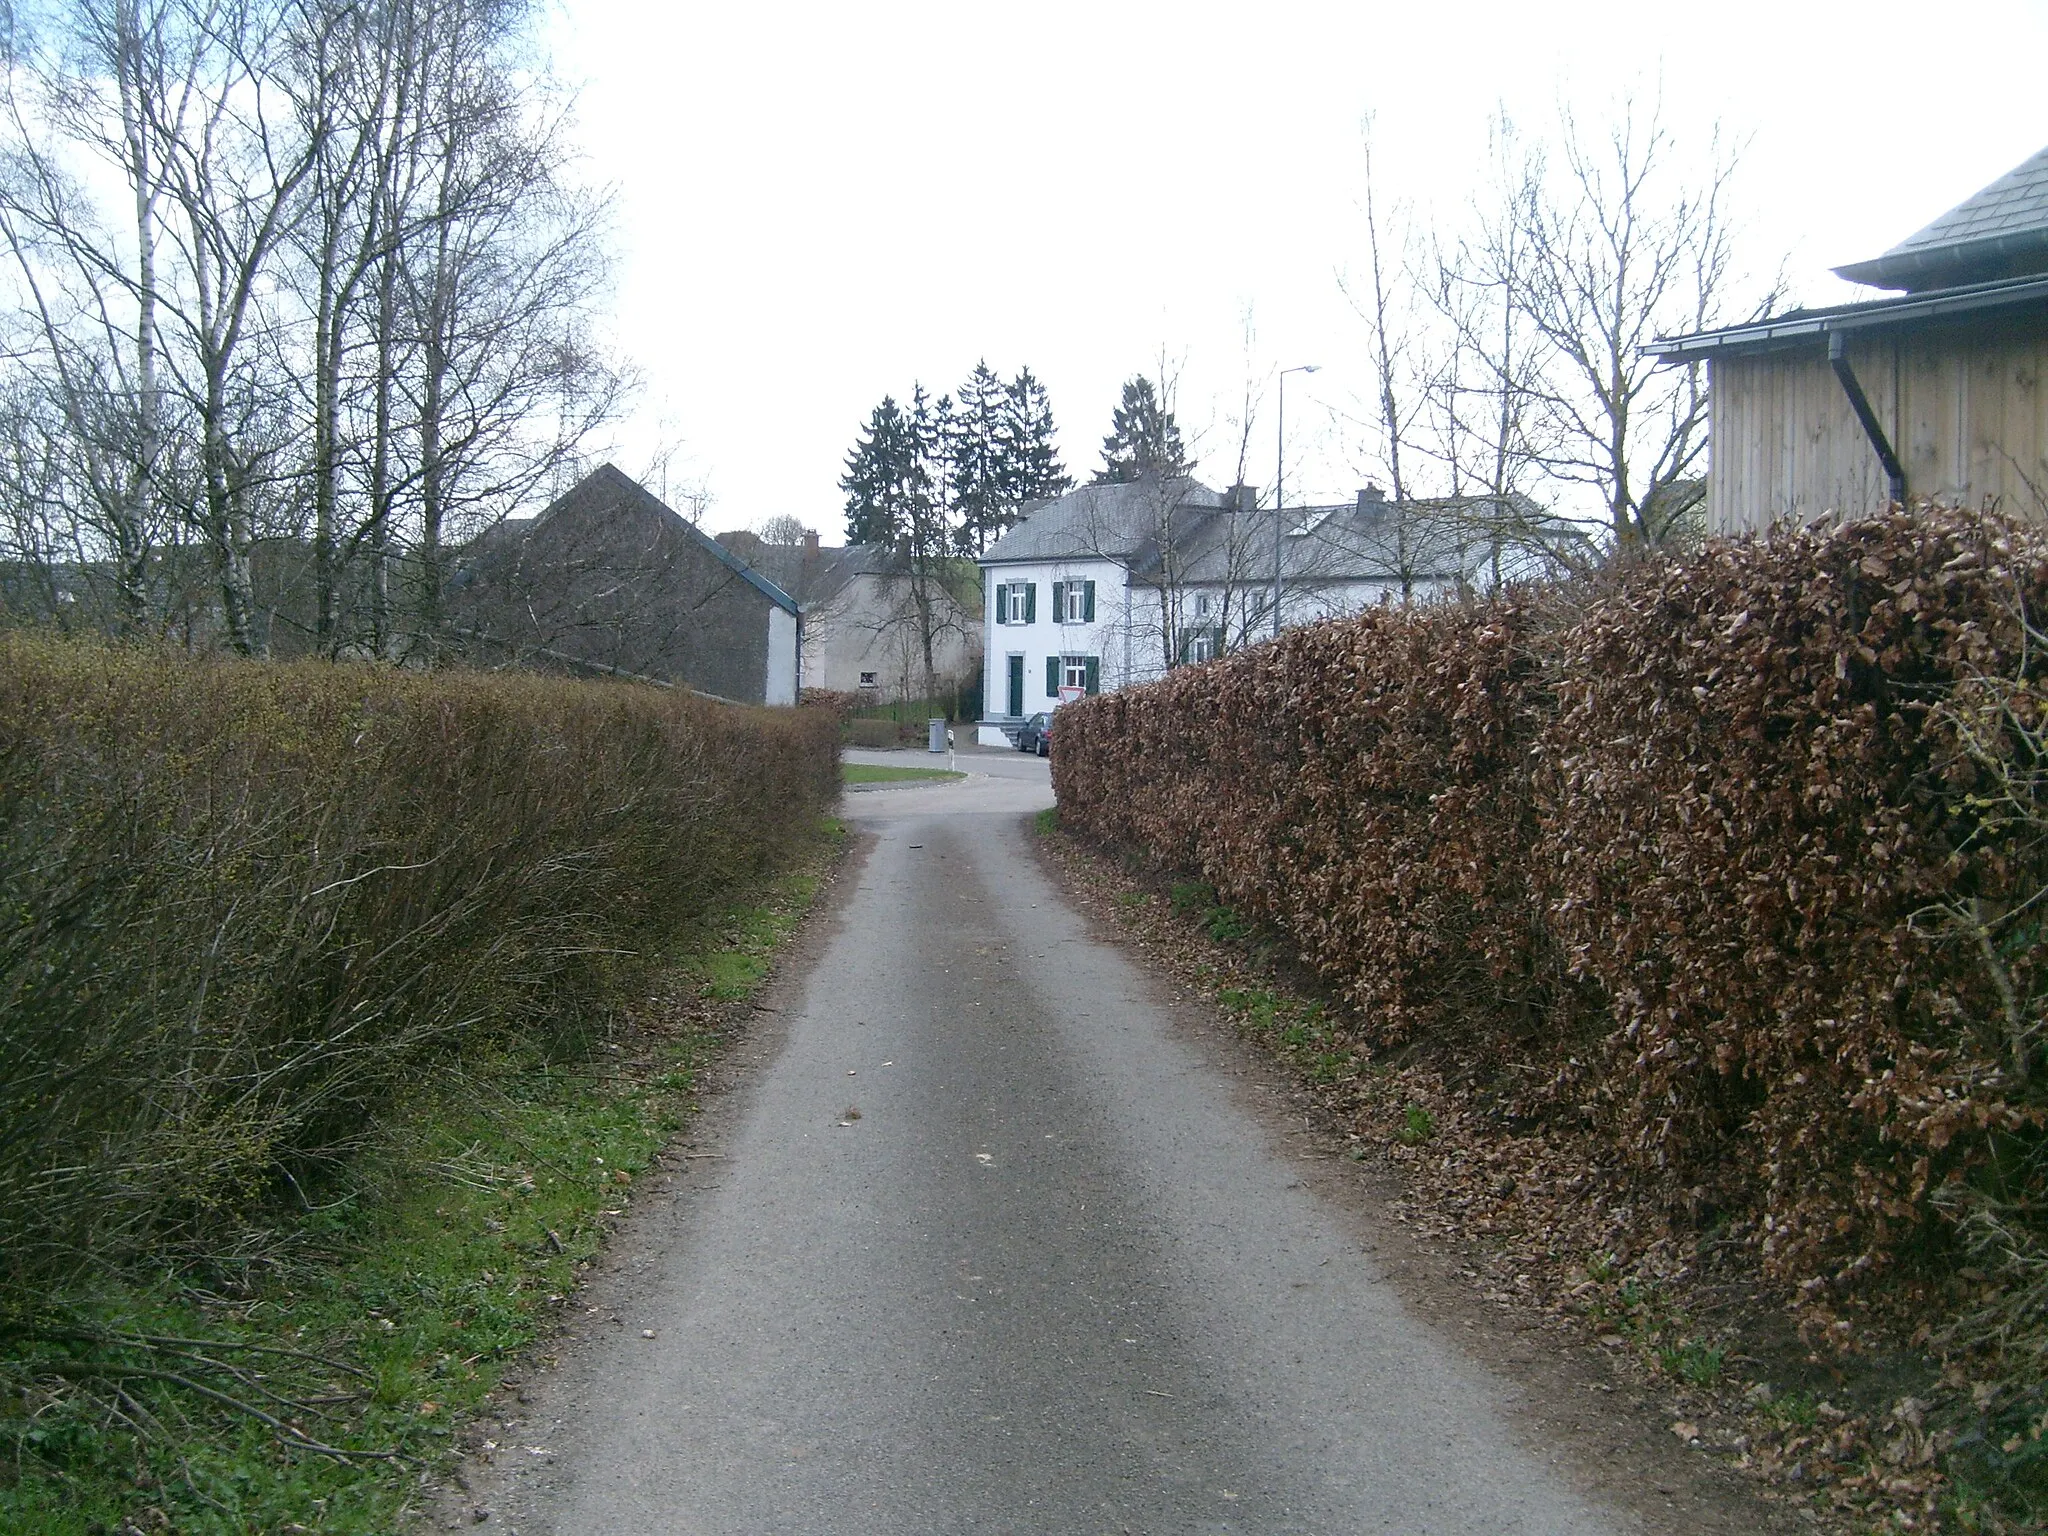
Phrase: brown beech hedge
[1734,858]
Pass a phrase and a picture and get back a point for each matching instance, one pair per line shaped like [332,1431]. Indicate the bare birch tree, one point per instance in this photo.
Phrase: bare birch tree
[1623,245]
[348,286]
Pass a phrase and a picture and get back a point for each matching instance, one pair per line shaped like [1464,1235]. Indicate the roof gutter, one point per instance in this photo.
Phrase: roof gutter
[1937,304]
[1897,268]
[1894,472]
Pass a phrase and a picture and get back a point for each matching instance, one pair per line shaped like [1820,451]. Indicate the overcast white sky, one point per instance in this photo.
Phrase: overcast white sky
[819,204]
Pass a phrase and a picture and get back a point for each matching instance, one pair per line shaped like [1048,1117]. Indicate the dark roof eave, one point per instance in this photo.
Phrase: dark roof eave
[1071,556]
[1898,268]
[1880,314]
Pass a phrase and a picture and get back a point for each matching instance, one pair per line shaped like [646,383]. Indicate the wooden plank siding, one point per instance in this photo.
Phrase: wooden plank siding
[1966,412]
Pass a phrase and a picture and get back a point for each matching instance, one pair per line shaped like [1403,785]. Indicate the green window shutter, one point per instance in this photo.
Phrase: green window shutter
[1088,603]
[1059,602]
[1030,602]
[1001,596]
[1052,677]
[1094,664]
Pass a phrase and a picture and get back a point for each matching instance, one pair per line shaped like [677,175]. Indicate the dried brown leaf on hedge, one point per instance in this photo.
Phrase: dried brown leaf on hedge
[1669,844]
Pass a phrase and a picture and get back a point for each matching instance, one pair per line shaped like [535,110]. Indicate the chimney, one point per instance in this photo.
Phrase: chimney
[1372,499]
[1241,498]
[810,544]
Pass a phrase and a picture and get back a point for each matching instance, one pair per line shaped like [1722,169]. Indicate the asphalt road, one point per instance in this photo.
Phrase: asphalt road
[1057,1276]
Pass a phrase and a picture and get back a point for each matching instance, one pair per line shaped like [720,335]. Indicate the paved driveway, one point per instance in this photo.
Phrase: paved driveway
[990,1245]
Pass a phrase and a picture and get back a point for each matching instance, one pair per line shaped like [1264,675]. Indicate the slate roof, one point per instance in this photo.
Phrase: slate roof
[1348,541]
[1112,522]
[812,576]
[609,486]
[1999,232]
[1324,544]
[2008,301]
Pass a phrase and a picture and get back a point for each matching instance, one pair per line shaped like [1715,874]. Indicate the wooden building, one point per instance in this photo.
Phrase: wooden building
[1940,391]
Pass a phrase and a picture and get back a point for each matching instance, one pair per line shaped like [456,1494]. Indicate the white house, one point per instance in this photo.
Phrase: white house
[1111,585]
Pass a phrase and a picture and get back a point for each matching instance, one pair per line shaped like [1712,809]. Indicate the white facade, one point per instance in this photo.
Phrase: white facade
[1051,624]
[781,682]
[1076,595]
[1044,632]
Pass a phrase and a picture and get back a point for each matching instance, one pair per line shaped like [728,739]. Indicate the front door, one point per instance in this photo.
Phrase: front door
[1016,708]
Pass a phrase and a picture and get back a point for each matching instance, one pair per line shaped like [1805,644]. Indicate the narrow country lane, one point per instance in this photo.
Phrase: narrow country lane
[1054,1278]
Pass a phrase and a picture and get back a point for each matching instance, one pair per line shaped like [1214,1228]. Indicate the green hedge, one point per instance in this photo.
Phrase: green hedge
[238,901]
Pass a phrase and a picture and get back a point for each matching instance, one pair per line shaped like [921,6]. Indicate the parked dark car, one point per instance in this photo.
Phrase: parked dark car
[1035,735]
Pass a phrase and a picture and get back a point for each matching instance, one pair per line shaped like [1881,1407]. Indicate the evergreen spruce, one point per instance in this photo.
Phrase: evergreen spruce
[928,499]
[1143,440]
[948,478]
[879,476]
[977,459]
[1031,458]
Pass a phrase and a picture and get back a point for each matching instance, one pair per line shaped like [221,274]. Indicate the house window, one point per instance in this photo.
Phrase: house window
[1201,644]
[1074,601]
[1082,672]
[1017,602]
[1201,605]
[869,680]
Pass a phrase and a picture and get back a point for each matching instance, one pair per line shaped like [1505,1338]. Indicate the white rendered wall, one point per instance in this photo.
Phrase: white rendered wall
[781,682]
[1047,636]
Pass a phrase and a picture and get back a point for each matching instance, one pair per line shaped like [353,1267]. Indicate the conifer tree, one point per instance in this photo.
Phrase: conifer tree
[1031,458]
[878,478]
[927,499]
[1143,440]
[978,452]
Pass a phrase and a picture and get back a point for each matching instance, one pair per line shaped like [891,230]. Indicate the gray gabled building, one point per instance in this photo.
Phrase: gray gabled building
[866,616]
[610,581]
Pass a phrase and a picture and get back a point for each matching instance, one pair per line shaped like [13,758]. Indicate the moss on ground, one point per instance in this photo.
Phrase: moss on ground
[872,773]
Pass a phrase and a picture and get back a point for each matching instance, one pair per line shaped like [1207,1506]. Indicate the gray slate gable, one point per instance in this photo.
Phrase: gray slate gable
[610,485]
[609,579]
[2000,231]
[1109,522]
[1373,541]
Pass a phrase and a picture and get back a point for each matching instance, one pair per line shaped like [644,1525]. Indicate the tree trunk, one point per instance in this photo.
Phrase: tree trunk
[133,524]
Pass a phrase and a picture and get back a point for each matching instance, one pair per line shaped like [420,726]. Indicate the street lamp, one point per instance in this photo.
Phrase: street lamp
[1279,500]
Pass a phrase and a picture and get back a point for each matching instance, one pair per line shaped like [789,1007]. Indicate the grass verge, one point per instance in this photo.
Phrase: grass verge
[870,773]
[318,1385]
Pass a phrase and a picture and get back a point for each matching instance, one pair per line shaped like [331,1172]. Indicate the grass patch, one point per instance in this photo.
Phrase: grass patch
[1047,821]
[870,773]
[1692,1361]
[1304,1032]
[1417,1126]
[380,1319]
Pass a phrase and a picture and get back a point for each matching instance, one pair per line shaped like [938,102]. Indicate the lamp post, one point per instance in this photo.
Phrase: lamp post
[1279,474]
